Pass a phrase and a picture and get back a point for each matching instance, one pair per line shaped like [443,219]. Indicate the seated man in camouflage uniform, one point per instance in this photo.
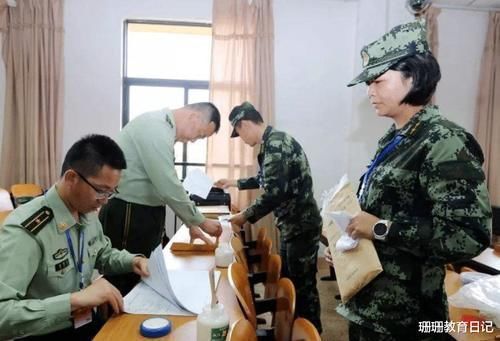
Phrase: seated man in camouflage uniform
[50,246]
[286,180]
[424,199]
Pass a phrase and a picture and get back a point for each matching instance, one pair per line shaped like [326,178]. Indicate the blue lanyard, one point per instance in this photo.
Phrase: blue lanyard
[78,264]
[380,157]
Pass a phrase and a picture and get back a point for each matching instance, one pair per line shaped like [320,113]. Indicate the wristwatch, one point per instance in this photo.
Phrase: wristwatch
[381,229]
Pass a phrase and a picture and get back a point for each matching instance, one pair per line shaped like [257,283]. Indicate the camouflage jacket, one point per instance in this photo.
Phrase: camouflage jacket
[286,179]
[432,188]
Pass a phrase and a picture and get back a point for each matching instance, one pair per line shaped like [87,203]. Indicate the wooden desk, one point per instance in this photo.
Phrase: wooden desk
[453,284]
[126,326]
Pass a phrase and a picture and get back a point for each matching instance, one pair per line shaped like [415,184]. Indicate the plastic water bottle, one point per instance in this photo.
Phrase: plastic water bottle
[212,324]
[223,255]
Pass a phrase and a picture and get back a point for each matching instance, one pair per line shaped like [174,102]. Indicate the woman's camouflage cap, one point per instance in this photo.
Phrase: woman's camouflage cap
[400,42]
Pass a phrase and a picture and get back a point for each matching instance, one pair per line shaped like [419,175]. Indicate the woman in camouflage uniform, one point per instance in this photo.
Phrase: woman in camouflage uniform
[424,199]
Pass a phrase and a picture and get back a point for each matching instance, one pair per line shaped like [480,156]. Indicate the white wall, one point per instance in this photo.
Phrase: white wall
[93,57]
[314,55]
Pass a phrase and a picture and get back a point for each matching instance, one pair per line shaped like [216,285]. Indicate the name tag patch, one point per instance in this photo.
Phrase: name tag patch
[62,265]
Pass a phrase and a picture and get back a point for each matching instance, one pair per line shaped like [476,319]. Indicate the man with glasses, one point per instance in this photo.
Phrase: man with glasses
[135,219]
[50,246]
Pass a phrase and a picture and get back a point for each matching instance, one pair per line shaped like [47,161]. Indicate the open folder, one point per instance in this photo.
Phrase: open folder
[169,292]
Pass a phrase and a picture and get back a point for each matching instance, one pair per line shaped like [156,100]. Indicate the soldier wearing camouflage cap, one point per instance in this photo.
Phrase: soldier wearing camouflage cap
[285,178]
[424,199]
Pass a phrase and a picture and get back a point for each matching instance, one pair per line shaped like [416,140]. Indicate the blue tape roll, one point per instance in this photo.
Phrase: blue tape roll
[155,327]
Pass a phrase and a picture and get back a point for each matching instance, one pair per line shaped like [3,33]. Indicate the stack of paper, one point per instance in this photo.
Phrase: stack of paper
[169,292]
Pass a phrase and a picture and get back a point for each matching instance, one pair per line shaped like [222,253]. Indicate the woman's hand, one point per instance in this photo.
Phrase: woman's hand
[361,225]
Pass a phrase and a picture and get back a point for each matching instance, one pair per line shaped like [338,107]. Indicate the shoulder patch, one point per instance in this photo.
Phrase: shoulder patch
[38,220]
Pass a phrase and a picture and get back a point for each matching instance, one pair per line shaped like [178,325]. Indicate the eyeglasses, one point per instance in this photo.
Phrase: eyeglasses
[99,194]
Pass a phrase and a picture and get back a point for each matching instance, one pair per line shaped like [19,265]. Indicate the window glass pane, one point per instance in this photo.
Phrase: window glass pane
[168,51]
[197,151]
[202,168]
[178,169]
[178,147]
[147,98]
[197,95]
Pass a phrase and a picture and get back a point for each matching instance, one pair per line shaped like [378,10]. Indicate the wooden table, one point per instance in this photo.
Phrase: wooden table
[126,326]
[453,284]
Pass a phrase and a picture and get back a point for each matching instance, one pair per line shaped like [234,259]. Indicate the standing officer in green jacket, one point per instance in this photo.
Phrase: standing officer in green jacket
[135,219]
[50,246]
[285,178]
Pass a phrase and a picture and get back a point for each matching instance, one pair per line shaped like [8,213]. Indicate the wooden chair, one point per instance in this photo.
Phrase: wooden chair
[3,216]
[22,193]
[5,201]
[285,310]
[260,256]
[303,330]
[283,306]
[242,330]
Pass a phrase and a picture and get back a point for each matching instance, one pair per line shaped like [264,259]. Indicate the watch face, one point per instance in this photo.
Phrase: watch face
[380,229]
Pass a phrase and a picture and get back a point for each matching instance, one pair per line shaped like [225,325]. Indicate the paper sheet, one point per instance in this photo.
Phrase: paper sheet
[198,183]
[169,292]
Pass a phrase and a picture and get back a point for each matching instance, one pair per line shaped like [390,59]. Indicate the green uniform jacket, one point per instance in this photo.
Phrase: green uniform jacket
[150,178]
[286,179]
[37,271]
[433,190]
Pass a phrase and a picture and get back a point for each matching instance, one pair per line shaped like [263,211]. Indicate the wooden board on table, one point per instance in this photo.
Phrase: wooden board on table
[191,247]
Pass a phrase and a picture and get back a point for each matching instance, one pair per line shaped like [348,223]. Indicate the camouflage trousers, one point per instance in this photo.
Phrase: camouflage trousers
[299,264]
[360,333]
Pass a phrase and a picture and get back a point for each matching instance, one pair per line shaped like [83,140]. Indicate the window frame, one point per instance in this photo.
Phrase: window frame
[186,84]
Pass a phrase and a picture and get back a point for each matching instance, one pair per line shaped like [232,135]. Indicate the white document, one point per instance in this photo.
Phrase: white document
[197,182]
[174,292]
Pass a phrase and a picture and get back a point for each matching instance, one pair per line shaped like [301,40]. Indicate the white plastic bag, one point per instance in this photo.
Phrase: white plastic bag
[483,295]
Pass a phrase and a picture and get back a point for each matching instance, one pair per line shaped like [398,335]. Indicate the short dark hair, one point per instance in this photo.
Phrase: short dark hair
[425,73]
[210,111]
[89,154]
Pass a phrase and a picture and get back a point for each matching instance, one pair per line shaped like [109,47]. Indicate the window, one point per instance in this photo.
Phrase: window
[167,65]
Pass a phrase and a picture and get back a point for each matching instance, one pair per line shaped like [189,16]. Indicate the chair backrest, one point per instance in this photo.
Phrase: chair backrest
[22,193]
[261,235]
[285,310]
[238,279]
[303,330]
[242,330]
[3,215]
[239,252]
[5,201]
[272,276]
[265,253]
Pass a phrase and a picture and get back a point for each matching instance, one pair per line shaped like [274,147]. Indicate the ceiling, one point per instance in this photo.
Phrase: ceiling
[469,3]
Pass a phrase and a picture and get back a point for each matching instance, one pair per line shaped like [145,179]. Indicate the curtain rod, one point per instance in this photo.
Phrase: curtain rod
[465,8]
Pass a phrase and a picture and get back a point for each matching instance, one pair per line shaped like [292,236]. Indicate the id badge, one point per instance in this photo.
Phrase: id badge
[82,317]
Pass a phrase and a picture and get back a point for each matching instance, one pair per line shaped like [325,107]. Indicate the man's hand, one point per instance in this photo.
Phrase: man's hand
[99,292]
[140,266]
[361,225]
[328,256]
[212,227]
[196,233]
[238,219]
[225,183]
